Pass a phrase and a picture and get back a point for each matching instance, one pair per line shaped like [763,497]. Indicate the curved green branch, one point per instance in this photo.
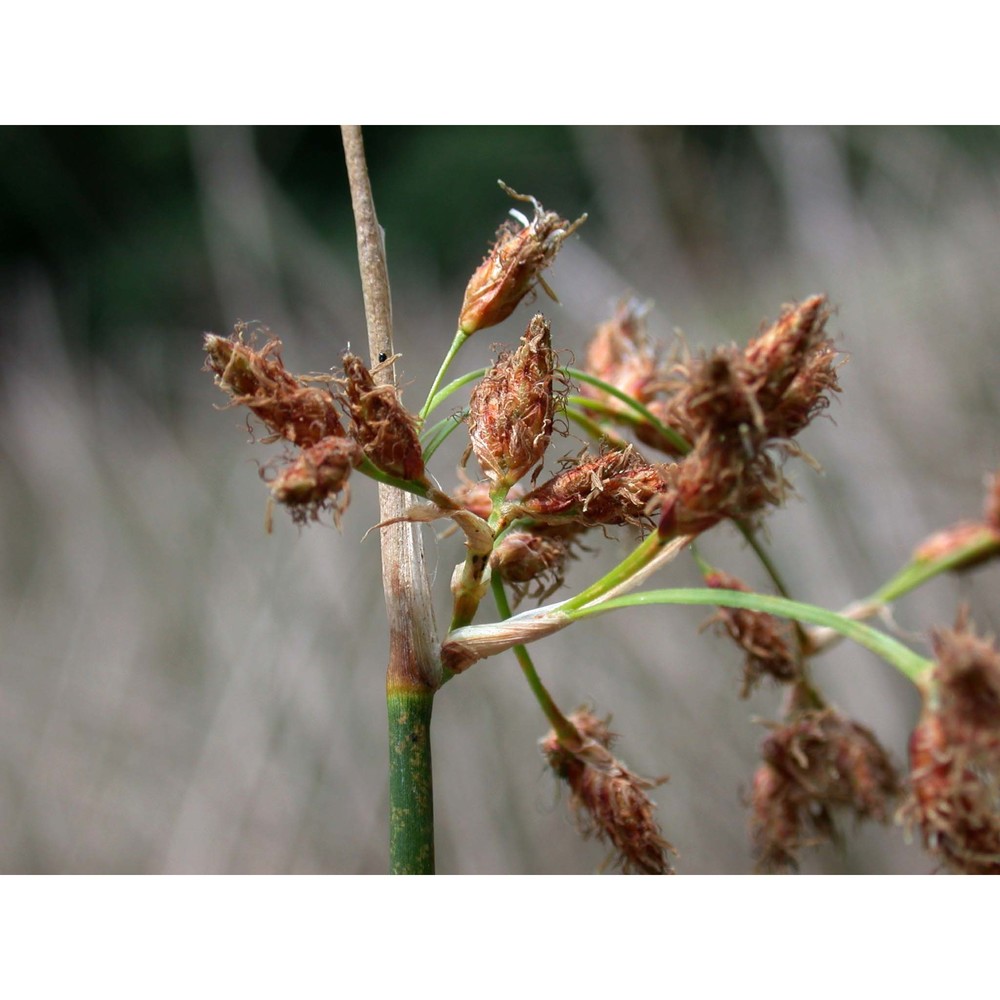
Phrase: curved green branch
[682,446]
[439,433]
[909,663]
[433,402]
[456,345]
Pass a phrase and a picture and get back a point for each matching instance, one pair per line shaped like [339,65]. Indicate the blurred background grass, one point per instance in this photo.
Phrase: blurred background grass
[180,692]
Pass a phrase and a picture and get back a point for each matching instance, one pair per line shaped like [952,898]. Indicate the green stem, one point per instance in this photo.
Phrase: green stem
[451,387]
[909,663]
[414,668]
[682,446]
[456,346]
[919,571]
[605,409]
[370,469]
[564,729]
[631,564]
[594,429]
[438,434]
[411,821]
[765,559]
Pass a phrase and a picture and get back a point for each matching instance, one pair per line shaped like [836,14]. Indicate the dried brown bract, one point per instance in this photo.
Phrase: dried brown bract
[817,762]
[610,801]
[768,641]
[512,408]
[615,488]
[513,266]
[955,754]
[290,409]
[385,429]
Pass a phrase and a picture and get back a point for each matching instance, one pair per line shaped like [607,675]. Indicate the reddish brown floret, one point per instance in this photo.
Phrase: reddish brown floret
[533,562]
[991,508]
[818,762]
[385,429]
[512,409]
[955,754]
[512,267]
[789,368]
[610,802]
[768,641]
[316,477]
[615,488]
[950,542]
[290,409]
[621,354]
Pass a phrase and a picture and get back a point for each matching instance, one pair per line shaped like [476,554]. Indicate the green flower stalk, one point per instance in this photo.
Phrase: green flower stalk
[465,646]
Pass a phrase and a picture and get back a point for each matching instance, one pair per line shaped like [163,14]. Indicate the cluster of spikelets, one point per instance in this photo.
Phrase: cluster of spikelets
[813,764]
[310,416]
[730,415]
[817,763]
[722,424]
[954,795]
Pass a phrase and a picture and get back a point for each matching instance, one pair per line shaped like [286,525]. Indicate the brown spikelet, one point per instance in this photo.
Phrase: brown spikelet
[621,354]
[513,406]
[740,409]
[290,409]
[614,488]
[790,367]
[816,763]
[316,479]
[610,802]
[513,266]
[533,561]
[385,429]
[955,754]
[983,539]
[767,641]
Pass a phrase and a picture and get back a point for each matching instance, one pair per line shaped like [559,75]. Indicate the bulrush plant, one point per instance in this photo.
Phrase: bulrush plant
[676,444]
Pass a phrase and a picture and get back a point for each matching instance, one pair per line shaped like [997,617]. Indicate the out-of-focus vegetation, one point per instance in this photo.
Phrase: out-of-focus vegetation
[181,692]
